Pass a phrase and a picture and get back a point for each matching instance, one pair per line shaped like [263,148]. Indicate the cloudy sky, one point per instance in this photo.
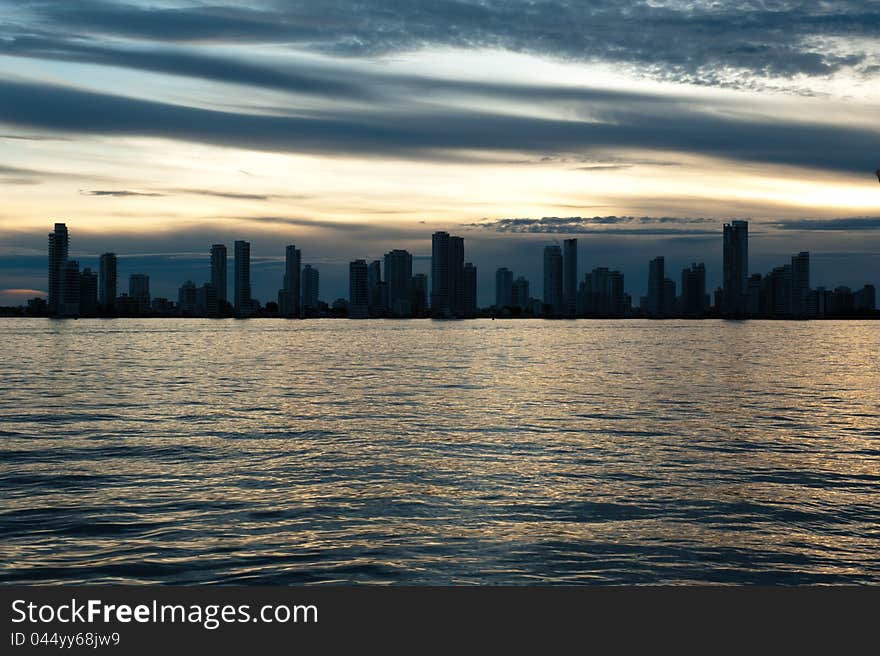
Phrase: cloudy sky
[156,128]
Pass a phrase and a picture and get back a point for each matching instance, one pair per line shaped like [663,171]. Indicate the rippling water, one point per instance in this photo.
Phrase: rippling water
[266,451]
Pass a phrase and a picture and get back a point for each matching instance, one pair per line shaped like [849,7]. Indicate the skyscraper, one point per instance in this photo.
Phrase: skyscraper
[553,280]
[218,273]
[398,275]
[139,291]
[186,298]
[310,288]
[519,296]
[107,280]
[736,266]
[656,286]
[242,299]
[419,296]
[289,296]
[503,288]
[68,301]
[800,283]
[447,271]
[569,282]
[693,290]
[377,290]
[358,290]
[88,293]
[58,249]
[469,292]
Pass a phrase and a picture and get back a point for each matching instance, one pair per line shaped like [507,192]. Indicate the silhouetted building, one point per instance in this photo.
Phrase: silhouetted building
[569,282]
[601,294]
[186,298]
[398,276]
[503,288]
[668,297]
[107,280]
[68,302]
[736,266]
[420,295]
[800,284]
[358,290]
[469,283]
[243,304]
[553,280]
[162,306]
[289,295]
[88,293]
[207,304]
[865,300]
[310,289]
[447,275]
[58,248]
[519,297]
[694,302]
[218,272]
[378,292]
[139,292]
[656,285]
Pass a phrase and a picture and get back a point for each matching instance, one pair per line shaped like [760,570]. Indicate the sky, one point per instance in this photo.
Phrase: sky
[157,128]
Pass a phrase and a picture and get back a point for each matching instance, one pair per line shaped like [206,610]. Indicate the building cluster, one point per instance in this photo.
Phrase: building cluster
[388,288]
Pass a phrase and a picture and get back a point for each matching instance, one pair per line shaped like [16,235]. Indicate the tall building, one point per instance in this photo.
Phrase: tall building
[242,300]
[310,289]
[800,284]
[69,284]
[447,275]
[58,249]
[503,288]
[107,280]
[693,291]
[186,298]
[569,278]
[289,296]
[218,272]
[206,301]
[88,293]
[736,267]
[519,296]
[553,280]
[469,298]
[139,292]
[656,287]
[377,289]
[419,287]
[398,276]
[358,290]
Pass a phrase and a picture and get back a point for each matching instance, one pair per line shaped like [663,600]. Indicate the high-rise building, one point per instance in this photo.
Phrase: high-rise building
[88,293]
[800,284]
[58,249]
[242,300]
[107,280]
[693,291]
[519,296]
[569,278]
[69,283]
[377,289]
[447,271]
[289,296]
[139,292]
[553,300]
[469,284]
[398,276]
[668,297]
[218,272]
[310,289]
[419,303]
[186,298]
[865,300]
[503,288]
[656,285]
[736,267]
[358,290]
[206,301]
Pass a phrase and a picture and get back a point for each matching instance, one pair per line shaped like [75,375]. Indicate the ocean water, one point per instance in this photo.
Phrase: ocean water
[420,452]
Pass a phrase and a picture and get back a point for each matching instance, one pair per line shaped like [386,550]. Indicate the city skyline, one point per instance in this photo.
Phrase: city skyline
[378,290]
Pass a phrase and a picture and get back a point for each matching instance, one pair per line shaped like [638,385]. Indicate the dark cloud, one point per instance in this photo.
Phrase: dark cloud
[848,224]
[222,194]
[119,193]
[598,225]
[699,41]
[447,133]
